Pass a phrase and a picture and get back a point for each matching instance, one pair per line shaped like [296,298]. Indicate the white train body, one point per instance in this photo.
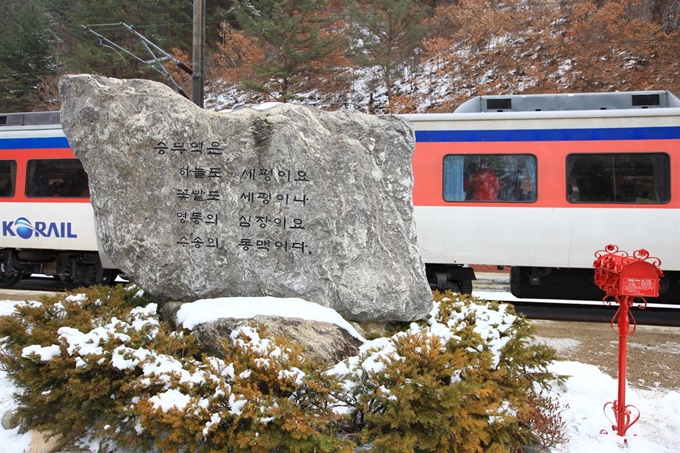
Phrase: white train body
[554,234]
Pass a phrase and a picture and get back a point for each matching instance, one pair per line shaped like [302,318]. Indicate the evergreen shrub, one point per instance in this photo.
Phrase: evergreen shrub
[449,385]
[67,354]
[99,364]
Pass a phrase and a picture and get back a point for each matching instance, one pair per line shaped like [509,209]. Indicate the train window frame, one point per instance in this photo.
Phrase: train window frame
[8,174]
[518,185]
[627,180]
[48,178]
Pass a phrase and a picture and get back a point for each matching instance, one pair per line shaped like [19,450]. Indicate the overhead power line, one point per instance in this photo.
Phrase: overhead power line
[158,55]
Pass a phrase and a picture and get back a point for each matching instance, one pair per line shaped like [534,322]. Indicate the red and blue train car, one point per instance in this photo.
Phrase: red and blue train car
[574,173]
[537,183]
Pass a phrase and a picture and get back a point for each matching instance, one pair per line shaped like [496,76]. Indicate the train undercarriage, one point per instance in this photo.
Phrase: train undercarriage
[545,283]
[78,267]
[456,278]
[577,284]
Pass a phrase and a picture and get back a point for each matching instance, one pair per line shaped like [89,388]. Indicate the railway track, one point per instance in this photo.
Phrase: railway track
[489,286]
[650,316]
[496,286]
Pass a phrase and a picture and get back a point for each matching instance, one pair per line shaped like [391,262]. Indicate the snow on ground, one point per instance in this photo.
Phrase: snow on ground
[585,392]
[11,440]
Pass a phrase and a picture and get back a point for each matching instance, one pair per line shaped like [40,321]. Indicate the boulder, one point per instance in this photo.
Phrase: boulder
[324,341]
[279,200]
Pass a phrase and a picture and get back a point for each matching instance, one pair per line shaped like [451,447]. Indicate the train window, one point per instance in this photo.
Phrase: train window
[8,177]
[618,178]
[56,178]
[490,177]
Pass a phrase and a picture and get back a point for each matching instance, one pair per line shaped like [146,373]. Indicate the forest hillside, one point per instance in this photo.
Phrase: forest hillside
[377,56]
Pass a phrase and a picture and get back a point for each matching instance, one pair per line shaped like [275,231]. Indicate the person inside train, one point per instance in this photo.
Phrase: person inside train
[528,191]
[625,192]
[573,193]
[598,185]
[83,184]
[470,170]
[483,184]
[7,169]
[510,185]
[646,192]
[39,186]
[5,189]
[77,185]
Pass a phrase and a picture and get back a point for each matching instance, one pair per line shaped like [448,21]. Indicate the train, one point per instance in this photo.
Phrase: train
[575,173]
[534,183]
[46,219]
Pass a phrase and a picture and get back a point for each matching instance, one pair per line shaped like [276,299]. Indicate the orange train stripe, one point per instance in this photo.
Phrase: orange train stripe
[428,159]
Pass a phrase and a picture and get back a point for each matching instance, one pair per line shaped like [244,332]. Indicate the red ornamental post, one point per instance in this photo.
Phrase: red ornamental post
[625,279]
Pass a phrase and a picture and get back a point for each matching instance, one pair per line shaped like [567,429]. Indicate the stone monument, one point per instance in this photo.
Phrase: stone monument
[277,200]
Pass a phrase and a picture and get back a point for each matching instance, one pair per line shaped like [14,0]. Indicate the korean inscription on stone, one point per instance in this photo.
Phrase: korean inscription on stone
[196,185]
[283,190]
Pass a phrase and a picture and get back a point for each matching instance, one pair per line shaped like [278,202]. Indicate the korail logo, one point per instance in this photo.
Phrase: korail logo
[23,228]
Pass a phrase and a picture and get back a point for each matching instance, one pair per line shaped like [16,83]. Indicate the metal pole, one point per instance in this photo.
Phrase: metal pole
[622,414]
[198,52]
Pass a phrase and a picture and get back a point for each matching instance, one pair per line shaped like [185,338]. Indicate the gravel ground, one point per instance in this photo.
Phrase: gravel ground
[653,352]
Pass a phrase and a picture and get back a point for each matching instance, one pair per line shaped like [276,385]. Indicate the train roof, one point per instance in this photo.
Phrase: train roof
[559,102]
[574,101]
[29,118]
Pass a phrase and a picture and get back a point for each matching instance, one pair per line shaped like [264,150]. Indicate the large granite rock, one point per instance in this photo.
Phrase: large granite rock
[285,201]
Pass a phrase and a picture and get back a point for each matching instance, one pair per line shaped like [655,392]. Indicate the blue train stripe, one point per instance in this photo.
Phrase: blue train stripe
[540,135]
[33,143]
[509,135]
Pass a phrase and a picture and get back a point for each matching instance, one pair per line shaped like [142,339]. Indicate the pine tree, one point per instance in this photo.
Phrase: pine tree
[385,34]
[27,52]
[296,41]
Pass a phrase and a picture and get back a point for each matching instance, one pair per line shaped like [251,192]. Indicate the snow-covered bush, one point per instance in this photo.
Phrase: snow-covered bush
[266,397]
[455,383]
[100,364]
[94,364]
[66,356]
